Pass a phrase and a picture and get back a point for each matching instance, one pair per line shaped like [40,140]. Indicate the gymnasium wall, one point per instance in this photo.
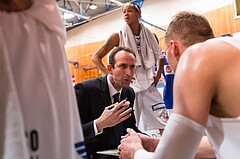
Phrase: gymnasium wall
[157,12]
[221,20]
[80,62]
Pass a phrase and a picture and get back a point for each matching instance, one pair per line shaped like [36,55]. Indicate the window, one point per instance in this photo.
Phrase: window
[236,6]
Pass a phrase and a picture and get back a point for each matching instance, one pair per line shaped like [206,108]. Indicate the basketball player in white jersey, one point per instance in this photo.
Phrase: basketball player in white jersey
[38,117]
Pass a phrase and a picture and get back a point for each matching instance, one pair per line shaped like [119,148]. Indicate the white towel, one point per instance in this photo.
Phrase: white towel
[149,48]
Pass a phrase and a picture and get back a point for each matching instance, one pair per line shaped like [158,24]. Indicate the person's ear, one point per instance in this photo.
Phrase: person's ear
[109,67]
[139,15]
[174,47]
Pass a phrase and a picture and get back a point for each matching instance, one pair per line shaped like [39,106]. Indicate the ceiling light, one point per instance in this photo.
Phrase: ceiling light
[67,16]
[92,7]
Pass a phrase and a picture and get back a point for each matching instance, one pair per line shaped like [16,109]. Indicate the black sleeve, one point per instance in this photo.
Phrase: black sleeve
[83,101]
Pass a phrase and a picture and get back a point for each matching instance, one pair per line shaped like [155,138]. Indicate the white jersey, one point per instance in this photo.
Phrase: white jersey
[224,132]
[39,116]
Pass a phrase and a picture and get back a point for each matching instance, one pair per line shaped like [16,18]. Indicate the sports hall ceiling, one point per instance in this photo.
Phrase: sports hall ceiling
[78,12]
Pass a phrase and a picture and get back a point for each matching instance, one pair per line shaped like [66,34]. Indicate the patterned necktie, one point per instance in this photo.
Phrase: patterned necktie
[118,127]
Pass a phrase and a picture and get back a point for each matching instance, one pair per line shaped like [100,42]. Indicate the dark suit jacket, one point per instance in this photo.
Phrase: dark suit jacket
[92,97]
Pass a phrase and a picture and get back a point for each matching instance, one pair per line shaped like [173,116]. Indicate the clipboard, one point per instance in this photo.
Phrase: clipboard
[108,152]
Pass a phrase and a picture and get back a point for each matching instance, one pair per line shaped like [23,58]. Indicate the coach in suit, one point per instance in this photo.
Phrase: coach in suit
[103,119]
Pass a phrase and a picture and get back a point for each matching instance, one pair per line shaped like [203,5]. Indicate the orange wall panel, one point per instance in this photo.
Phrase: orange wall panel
[82,55]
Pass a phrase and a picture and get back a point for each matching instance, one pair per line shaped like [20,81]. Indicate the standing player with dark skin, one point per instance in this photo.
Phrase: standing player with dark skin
[148,102]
